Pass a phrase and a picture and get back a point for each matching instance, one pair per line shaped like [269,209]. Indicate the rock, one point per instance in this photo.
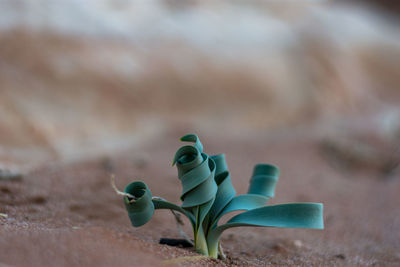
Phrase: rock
[9,175]
[297,243]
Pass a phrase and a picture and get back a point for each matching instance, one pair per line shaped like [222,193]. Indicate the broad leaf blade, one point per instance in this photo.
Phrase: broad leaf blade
[294,215]
[242,202]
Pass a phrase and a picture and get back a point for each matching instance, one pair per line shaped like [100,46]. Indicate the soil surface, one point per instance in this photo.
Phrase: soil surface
[66,213]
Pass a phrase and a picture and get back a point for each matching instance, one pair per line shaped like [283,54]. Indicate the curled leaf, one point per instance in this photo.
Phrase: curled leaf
[225,192]
[196,172]
[263,180]
[141,209]
[195,139]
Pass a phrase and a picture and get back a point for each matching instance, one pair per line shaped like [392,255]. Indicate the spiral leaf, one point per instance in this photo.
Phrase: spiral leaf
[263,180]
[196,171]
[195,139]
[225,192]
[141,209]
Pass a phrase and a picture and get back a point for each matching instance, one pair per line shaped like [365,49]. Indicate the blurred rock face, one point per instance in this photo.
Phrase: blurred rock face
[79,79]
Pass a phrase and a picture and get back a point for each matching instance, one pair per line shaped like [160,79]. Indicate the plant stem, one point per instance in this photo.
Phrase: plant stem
[221,253]
[213,238]
[201,242]
[213,250]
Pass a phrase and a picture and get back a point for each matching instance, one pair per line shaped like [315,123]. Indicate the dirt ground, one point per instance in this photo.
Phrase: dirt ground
[310,87]
[66,213]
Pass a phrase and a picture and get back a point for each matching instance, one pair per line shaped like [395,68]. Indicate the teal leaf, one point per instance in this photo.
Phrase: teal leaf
[242,202]
[262,186]
[225,192]
[263,180]
[196,172]
[162,204]
[186,155]
[295,215]
[195,139]
[141,209]
[220,165]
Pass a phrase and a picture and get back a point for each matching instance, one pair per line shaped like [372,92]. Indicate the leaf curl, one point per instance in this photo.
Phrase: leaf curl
[225,192]
[195,139]
[263,180]
[141,209]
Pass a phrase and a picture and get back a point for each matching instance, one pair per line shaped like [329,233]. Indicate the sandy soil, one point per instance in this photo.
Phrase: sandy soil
[65,214]
[315,92]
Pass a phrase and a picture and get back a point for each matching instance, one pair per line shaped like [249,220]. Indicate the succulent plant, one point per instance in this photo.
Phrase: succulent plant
[208,194]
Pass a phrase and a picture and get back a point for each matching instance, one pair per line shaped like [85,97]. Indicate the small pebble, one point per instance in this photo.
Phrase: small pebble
[297,243]
[3,215]
[340,256]
[280,248]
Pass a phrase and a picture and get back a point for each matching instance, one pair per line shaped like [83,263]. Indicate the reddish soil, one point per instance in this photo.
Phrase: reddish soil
[65,99]
[66,214]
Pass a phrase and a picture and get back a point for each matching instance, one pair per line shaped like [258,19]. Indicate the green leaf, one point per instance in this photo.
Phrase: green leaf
[195,139]
[262,186]
[242,202]
[295,215]
[220,166]
[198,190]
[194,177]
[225,192]
[196,172]
[263,180]
[162,204]
[140,210]
[186,155]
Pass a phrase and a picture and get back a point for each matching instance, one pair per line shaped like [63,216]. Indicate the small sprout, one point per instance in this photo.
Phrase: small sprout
[208,194]
[130,197]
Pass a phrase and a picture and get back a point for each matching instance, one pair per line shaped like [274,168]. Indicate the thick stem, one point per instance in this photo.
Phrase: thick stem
[213,239]
[201,242]
[213,250]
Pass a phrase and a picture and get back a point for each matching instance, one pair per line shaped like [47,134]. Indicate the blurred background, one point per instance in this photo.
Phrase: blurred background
[82,78]
[89,87]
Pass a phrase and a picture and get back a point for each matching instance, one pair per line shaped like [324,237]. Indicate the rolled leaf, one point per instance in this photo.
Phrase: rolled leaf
[263,180]
[141,209]
[262,186]
[195,139]
[196,172]
[225,192]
